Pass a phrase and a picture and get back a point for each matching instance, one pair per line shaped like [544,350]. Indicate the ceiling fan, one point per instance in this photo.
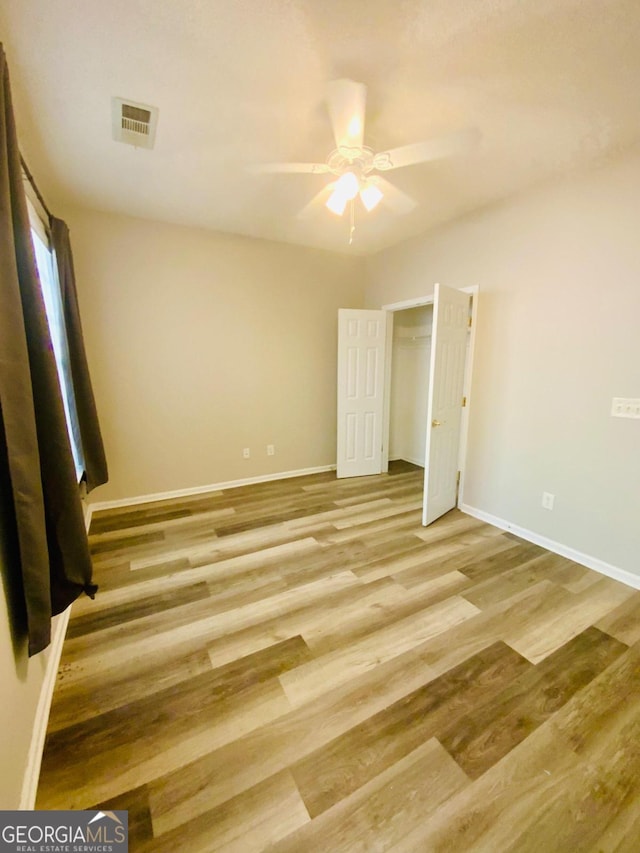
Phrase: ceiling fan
[354,164]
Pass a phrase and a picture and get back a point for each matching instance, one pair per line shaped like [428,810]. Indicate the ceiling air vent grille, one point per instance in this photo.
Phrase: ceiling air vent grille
[135,119]
[133,123]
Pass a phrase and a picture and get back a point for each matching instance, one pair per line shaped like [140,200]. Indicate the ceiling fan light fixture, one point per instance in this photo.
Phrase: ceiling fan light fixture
[345,189]
[351,163]
[337,202]
[348,185]
[371,196]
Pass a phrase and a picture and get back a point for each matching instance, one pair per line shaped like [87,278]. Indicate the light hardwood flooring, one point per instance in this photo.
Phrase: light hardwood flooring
[300,666]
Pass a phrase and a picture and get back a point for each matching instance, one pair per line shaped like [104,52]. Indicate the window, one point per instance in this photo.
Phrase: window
[47,272]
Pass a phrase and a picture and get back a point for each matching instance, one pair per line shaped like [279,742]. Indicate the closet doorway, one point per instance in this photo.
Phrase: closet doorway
[403,390]
[428,388]
[409,390]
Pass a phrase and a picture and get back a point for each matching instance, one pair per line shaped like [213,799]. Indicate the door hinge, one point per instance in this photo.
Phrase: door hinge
[464,402]
[457,487]
[469,324]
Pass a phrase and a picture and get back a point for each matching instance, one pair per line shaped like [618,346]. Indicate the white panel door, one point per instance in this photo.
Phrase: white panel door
[444,410]
[361,366]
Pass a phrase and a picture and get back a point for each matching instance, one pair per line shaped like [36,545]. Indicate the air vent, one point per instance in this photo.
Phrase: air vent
[133,123]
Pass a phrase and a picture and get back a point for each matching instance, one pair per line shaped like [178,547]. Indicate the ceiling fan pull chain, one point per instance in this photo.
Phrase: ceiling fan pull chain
[353,222]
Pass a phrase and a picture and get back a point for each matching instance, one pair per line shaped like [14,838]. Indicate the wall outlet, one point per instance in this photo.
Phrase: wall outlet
[271,450]
[246,453]
[547,500]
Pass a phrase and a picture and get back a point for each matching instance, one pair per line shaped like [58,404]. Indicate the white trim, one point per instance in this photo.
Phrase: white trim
[468,387]
[419,301]
[622,575]
[407,458]
[200,490]
[39,733]
[88,512]
[36,748]
[386,395]
[35,220]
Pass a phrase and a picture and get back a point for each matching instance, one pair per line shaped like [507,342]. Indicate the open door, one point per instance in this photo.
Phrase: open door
[444,412]
[361,369]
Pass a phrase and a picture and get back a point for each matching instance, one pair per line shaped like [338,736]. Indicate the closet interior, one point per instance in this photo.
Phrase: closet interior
[411,352]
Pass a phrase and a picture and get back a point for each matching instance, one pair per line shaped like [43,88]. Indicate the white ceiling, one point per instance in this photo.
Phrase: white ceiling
[553,85]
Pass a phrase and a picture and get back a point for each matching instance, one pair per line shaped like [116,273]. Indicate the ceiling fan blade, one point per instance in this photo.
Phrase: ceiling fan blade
[396,199]
[461,142]
[289,168]
[346,102]
[316,202]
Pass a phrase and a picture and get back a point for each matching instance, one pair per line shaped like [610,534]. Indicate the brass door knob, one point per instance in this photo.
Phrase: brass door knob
[436,423]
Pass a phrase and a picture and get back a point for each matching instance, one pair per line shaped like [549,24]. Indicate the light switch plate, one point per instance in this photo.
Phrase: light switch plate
[625,407]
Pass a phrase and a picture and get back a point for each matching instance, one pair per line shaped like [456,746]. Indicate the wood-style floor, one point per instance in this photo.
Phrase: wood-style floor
[300,666]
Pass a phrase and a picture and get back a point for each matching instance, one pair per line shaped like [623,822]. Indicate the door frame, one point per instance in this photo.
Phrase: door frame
[418,302]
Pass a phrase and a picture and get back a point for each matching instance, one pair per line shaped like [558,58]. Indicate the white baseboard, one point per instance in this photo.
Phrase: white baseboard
[39,733]
[406,458]
[622,575]
[34,759]
[200,490]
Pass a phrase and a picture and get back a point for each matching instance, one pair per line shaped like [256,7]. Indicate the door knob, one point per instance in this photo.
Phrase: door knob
[436,423]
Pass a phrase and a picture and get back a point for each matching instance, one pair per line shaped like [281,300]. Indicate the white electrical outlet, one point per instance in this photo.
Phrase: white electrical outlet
[246,453]
[547,500]
[625,407]
[271,451]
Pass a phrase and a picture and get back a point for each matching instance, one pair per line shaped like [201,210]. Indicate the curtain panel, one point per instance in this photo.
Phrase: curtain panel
[92,447]
[43,506]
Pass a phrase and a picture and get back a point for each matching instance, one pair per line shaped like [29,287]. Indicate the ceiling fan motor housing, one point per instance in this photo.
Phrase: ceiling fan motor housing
[344,159]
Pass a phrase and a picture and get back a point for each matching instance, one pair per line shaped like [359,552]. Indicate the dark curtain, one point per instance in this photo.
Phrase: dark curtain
[95,462]
[54,562]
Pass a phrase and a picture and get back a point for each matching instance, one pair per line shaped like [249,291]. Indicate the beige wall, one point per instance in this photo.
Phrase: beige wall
[201,344]
[557,338]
